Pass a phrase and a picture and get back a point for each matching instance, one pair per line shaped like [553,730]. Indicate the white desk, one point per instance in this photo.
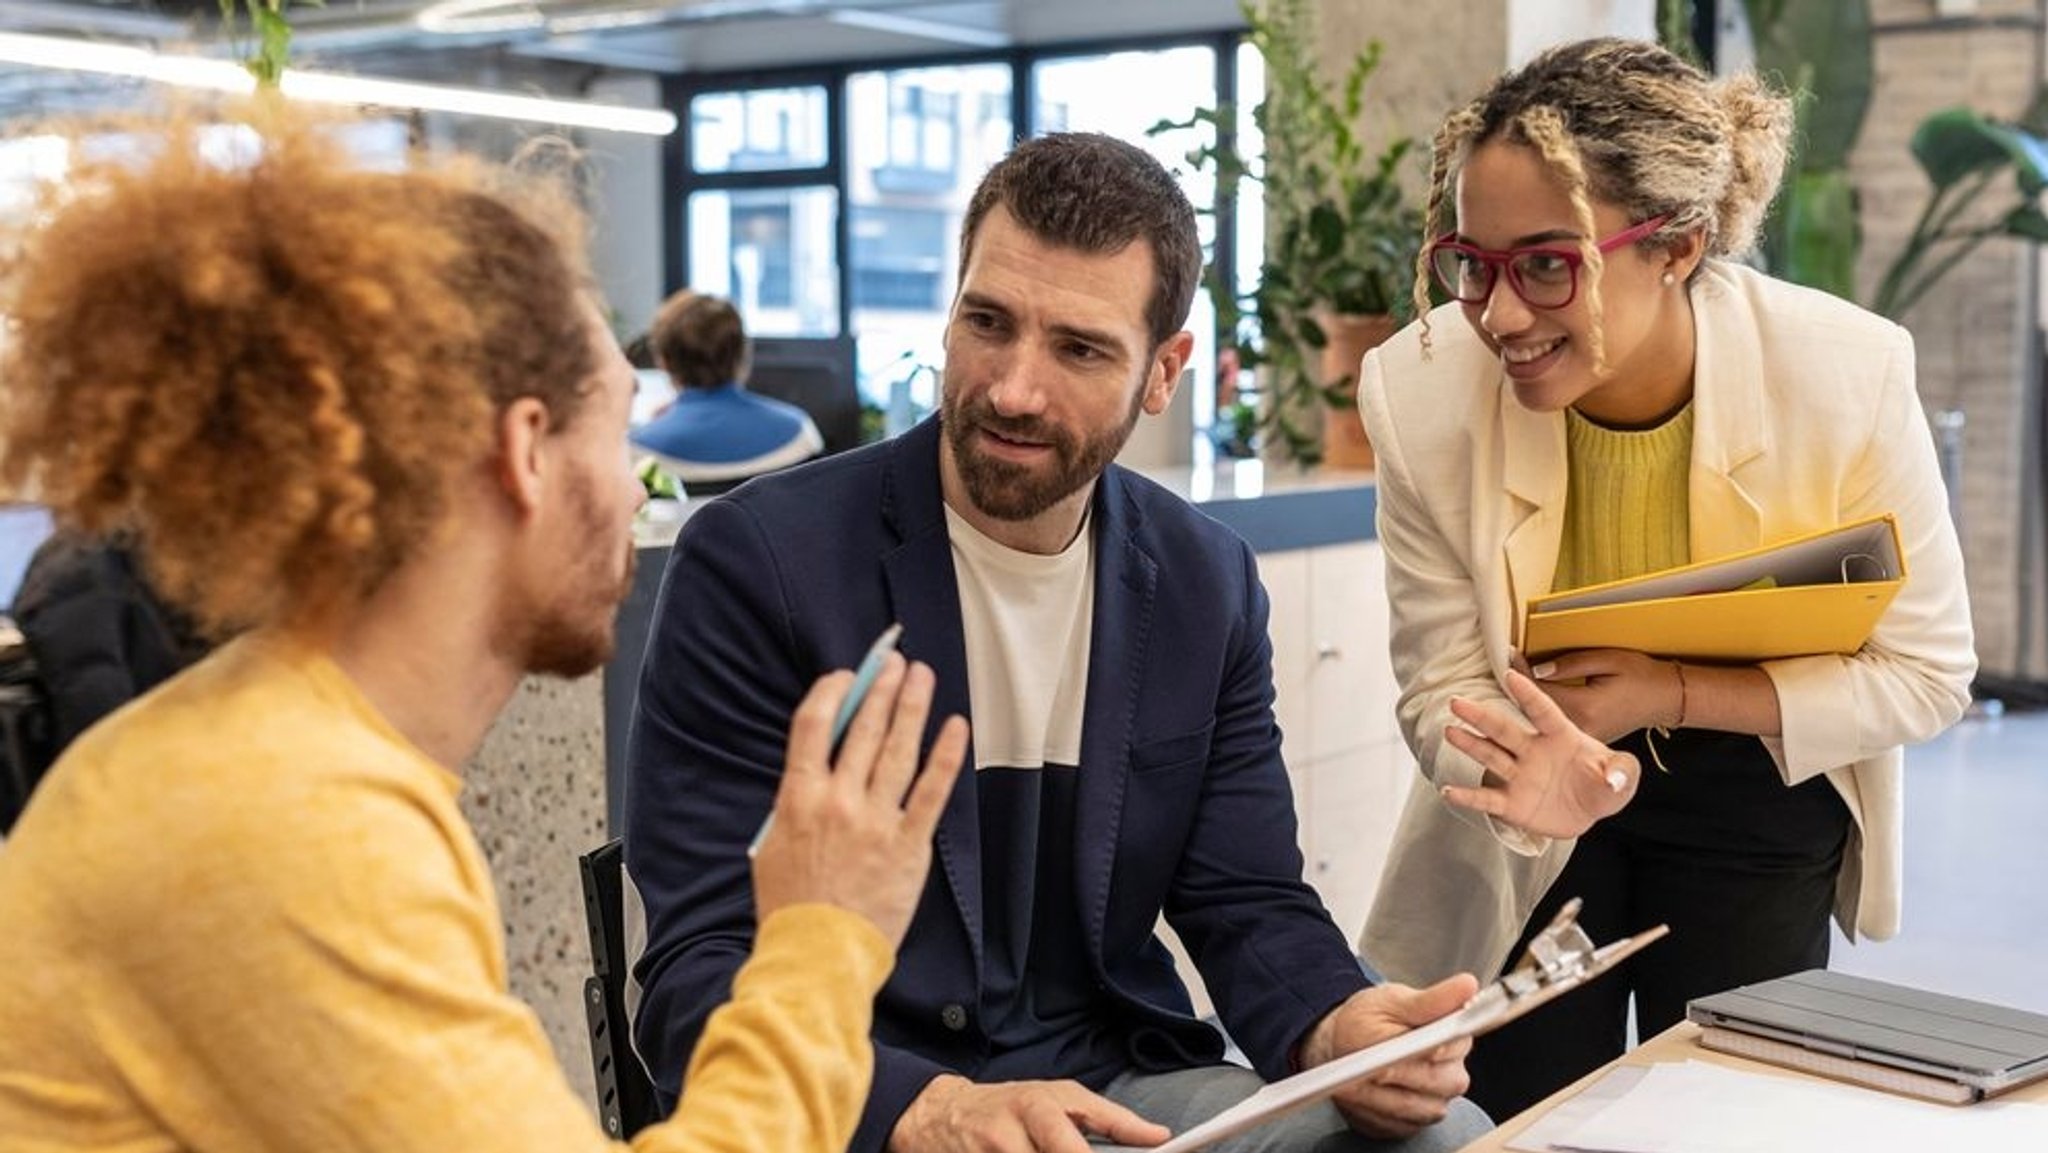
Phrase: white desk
[1677,1043]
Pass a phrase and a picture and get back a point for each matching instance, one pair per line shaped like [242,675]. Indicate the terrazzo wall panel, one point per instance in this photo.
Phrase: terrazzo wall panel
[535,793]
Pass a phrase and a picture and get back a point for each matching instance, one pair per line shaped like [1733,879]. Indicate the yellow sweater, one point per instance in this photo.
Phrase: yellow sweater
[1625,512]
[245,914]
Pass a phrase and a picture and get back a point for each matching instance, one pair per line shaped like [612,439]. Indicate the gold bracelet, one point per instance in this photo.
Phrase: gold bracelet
[1680,722]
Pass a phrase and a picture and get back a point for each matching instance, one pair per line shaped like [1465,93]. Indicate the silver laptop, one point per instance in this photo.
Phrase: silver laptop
[1858,1028]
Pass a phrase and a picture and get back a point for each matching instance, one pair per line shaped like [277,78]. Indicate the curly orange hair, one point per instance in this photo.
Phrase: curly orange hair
[271,368]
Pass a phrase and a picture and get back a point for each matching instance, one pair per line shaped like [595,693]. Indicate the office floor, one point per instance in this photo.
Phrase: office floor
[1976,902]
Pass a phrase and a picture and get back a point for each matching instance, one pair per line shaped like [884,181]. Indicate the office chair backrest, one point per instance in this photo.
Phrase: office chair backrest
[625,1093]
[818,375]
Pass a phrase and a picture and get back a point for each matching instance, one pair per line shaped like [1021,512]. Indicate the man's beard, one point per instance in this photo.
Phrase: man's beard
[578,631]
[1013,492]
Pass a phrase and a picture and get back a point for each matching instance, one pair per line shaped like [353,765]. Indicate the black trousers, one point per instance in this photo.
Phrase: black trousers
[1743,870]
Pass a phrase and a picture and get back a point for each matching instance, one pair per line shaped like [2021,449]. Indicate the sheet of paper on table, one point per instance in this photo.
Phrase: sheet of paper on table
[1698,1107]
[1543,1135]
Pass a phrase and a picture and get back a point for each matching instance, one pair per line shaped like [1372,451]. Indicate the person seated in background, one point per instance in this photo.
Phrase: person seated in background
[95,636]
[99,633]
[717,433]
[373,420]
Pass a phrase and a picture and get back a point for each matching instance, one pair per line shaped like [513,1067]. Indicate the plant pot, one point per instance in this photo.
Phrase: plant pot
[1351,335]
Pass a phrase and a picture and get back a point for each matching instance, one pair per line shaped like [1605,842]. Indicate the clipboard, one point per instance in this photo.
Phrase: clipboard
[1818,593]
[1559,959]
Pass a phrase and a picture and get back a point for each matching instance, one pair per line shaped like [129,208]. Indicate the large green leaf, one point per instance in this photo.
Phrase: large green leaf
[2028,222]
[1823,231]
[1956,142]
[1822,48]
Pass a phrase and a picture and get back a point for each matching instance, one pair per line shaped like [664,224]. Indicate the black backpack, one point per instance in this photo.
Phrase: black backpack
[27,727]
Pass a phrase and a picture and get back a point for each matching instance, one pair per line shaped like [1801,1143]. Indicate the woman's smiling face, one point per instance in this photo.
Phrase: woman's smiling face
[1507,198]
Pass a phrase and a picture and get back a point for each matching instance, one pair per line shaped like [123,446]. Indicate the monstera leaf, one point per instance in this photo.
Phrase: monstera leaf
[1957,142]
[1966,155]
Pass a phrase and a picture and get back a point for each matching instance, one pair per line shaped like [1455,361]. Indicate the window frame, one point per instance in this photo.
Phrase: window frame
[680,180]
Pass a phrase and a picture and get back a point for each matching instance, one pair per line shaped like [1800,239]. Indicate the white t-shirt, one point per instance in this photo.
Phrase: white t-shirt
[1026,619]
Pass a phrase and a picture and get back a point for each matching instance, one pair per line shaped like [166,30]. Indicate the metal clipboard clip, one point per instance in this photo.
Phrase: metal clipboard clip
[1559,959]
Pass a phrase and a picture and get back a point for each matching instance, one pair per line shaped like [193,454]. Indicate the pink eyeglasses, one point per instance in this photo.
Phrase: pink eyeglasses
[1543,275]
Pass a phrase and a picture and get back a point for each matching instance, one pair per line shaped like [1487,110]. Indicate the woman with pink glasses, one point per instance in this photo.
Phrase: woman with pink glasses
[1608,394]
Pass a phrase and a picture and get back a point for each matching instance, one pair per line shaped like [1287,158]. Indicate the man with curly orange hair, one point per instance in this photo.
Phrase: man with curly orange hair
[375,421]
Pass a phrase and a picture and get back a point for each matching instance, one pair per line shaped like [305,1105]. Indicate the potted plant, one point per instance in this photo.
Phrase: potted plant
[1341,242]
[270,55]
[1814,231]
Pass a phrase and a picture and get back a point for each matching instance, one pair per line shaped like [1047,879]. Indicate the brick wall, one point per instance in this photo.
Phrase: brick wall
[1975,332]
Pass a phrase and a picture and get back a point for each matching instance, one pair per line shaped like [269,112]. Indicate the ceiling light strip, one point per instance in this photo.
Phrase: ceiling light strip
[327,87]
[333,89]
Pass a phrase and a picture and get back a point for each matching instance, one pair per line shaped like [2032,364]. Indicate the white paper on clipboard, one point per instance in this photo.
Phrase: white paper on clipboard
[1559,959]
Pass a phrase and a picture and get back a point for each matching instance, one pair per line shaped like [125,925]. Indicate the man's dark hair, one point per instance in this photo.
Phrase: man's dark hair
[700,340]
[1097,194]
[640,352]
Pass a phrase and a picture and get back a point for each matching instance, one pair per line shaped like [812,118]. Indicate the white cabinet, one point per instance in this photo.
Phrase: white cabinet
[1334,700]
[1334,688]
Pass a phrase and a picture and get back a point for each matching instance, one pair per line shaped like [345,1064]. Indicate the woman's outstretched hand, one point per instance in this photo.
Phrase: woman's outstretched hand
[1551,779]
[857,832]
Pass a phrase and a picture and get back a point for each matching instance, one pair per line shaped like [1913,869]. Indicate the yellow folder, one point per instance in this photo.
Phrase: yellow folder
[1818,593]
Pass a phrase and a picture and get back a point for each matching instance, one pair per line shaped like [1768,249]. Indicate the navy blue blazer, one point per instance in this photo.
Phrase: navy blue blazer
[1184,805]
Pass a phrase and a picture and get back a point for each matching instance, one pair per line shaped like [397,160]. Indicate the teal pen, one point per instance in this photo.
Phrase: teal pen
[863,680]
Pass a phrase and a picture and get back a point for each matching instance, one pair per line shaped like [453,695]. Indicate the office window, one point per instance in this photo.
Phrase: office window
[771,252]
[758,130]
[899,258]
[26,164]
[785,175]
[1124,94]
[1249,233]
[917,140]
[923,139]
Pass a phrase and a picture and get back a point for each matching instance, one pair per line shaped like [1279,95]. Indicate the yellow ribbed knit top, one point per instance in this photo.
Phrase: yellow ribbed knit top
[245,915]
[1626,509]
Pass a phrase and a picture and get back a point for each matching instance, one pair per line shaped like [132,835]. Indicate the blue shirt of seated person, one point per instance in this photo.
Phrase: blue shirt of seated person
[717,433]
[711,439]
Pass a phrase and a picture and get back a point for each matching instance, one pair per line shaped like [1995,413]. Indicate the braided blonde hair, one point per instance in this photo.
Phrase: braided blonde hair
[1627,123]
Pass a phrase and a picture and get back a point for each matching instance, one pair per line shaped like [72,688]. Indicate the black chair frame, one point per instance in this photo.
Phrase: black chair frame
[625,1093]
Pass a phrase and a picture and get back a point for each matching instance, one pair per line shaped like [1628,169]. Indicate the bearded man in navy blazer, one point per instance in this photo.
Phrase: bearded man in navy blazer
[1109,645]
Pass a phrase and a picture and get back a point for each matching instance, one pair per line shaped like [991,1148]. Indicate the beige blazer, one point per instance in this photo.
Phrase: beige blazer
[1805,416]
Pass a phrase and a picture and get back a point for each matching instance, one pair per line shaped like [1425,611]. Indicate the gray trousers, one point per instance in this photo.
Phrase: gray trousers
[1187,1097]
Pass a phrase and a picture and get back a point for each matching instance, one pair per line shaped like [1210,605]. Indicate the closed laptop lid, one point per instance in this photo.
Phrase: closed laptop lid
[1990,1047]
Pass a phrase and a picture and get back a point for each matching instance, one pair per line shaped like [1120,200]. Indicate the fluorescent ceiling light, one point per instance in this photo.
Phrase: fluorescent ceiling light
[463,17]
[327,87]
[454,16]
[330,88]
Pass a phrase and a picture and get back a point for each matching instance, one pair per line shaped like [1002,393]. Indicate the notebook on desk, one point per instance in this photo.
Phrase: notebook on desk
[1887,1036]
